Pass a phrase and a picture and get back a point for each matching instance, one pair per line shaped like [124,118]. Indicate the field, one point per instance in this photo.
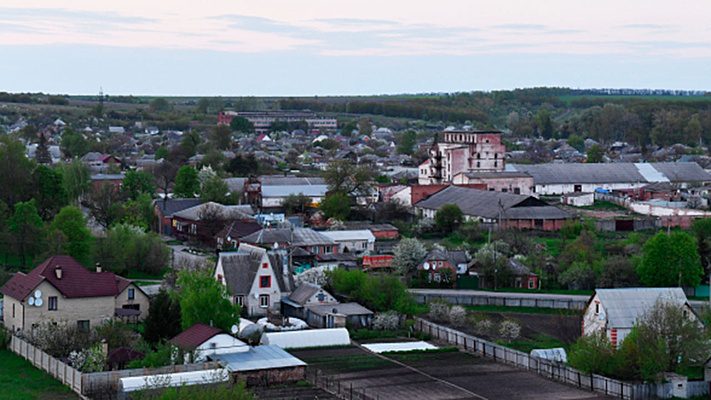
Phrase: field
[19,380]
[439,375]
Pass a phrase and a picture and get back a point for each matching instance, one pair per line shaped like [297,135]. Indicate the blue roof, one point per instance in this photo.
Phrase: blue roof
[257,358]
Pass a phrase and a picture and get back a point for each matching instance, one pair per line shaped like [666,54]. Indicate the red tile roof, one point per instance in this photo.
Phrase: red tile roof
[76,281]
[194,336]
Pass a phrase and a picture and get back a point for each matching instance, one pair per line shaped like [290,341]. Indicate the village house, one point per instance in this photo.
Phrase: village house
[352,241]
[502,181]
[255,278]
[61,289]
[616,311]
[437,261]
[307,239]
[201,341]
[517,276]
[320,309]
[507,210]
[231,235]
[201,223]
[461,151]
[166,207]
[99,162]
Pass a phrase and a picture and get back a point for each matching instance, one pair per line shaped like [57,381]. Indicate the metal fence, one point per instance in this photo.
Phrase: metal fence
[500,299]
[552,370]
[335,387]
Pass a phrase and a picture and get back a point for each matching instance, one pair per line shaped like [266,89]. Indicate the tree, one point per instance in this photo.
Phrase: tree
[336,205]
[164,174]
[593,354]
[26,226]
[73,144]
[137,182]
[365,127]
[243,165]
[241,124]
[618,271]
[129,248]
[379,293]
[221,137]
[345,177]
[139,211]
[75,179]
[493,262]
[408,254]
[15,171]
[702,231]
[70,221]
[576,142]
[42,155]
[544,123]
[161,153]
[187,183]
[104,204]
[205,300]
[669,336]
[189,143]
[163,321]
[448,218]
[296,203]
[159,104]
[406,142]
[50,194]
[215,189]
[670,260]
[595,154]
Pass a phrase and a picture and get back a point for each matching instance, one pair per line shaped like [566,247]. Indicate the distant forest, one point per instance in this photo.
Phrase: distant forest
[640,116]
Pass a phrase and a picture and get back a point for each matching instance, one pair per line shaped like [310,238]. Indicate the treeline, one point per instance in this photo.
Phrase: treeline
[33,98]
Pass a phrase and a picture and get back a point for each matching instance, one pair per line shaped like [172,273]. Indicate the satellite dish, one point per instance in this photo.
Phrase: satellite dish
[38,302]
[234,329]
[38,293]
[426,265]
[276,245]
[31,301]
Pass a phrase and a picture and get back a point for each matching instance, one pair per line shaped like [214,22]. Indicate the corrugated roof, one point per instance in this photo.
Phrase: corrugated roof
[278,180]
[489,204]
[340,308]
[303,293]
[227,212]
[572,173]
[625,306]
[258,358]
[170,206]
[308,338]
[295,237]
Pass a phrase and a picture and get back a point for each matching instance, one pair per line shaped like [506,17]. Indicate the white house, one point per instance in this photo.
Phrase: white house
[352,241]
[201,341]
[615,311]
[255,279]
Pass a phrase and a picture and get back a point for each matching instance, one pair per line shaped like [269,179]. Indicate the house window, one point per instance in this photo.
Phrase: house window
[131,294]
[52,303]
[517,190]
[13,311]
[265,265]
[239,300]
[265,281]
[531,284]
[597,308]
[193,229]
[264,300]
[83,325]
[478,164]
[219,278]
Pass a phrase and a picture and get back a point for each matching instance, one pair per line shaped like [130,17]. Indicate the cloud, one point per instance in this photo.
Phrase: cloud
[520,27]
[63,14]
[258,24]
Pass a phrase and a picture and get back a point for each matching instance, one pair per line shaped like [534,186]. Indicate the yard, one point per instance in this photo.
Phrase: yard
[19,380]
[434,375]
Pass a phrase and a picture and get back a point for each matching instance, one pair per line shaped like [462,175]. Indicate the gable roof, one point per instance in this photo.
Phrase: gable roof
[238,229]
[490,204]
[195,213]
[76,281]
[240,269]
[194,336]
[350,235]
[304,292]
[171,206]
[626,305]
[295,237]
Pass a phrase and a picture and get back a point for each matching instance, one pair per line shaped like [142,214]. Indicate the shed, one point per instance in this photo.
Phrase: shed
[134,383]
[258,358]
[554,354]
[308,338]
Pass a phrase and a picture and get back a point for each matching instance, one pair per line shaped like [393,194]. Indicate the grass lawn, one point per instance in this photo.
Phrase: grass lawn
[541,341]
[553,245]
[350,363]
[602,205]
[19,380]
[138,275]
[522,310]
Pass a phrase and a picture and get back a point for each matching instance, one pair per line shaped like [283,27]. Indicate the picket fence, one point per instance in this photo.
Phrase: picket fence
[553,370]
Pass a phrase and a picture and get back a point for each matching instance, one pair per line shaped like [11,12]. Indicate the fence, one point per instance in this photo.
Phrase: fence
[335,387]
[97,385]
[500,299]
[550,369]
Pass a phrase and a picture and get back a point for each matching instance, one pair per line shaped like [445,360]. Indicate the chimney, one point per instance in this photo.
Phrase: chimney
[58,271]
[98,267]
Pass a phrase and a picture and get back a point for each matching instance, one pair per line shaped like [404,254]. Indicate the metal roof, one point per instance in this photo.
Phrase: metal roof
[572,173]
[258,358]
[286,190]
[227,212]
[349,235]
[308,338]
[346,309]
[625,306]
[278,180]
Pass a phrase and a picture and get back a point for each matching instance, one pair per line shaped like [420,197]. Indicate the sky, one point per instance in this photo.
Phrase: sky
[344,47]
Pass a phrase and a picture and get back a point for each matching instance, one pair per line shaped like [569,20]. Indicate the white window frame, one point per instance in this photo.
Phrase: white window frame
[262,303]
